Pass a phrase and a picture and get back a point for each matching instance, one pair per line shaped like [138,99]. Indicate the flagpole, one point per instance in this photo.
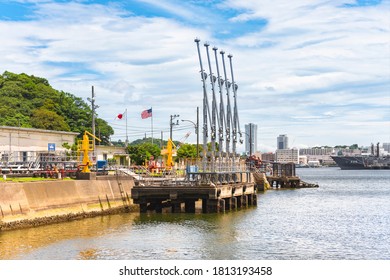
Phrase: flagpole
[152,123]
[127,138]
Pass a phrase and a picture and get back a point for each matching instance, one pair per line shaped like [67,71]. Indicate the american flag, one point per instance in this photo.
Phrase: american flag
[146,114]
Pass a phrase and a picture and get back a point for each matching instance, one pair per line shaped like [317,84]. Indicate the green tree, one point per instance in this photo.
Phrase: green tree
[209,146]
[45,119]
[155,141]
[354,147]
[30,101]
[103,131]
[186,151]
[142,152]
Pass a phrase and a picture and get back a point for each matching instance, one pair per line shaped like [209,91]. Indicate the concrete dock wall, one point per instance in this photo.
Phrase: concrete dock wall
[44,195]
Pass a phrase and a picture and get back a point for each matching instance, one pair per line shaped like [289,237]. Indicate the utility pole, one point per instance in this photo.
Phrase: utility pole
[93,113]
[171,124]
[93,107]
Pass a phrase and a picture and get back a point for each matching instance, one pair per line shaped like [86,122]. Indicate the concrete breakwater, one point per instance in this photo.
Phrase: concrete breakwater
[44,202]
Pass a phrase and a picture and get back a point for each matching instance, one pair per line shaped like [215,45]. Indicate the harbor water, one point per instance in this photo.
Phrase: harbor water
[347,217]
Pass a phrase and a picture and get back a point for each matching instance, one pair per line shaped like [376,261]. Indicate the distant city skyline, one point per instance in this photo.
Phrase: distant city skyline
[317,72]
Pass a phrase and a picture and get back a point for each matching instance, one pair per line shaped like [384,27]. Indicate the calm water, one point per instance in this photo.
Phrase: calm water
[348,217]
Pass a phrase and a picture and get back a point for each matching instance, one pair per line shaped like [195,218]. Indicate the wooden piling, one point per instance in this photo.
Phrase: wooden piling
[143,207]
[189,206]
[158,206]
[228,204]
[176,207]
[221,205]
[204,205]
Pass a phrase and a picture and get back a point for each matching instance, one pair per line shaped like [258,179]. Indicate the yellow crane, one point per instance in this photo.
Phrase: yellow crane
[169,152]
[84,147]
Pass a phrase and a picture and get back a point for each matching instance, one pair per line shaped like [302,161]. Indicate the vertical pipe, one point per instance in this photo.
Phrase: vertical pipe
[213,110]
[236,122]
[234,125]
[228,110]
[197,134]
[222,118]
[204,76]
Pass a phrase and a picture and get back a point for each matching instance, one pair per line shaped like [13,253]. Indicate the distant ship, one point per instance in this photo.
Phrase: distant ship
[364,161]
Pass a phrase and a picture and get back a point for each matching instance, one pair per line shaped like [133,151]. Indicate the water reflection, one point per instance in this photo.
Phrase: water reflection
[21,242]
[346,218]
[134,236]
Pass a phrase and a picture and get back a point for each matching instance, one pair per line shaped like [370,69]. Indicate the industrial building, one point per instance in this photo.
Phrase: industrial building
[24,145]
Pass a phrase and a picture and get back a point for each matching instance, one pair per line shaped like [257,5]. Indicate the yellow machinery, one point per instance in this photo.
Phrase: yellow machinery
[169,152]
[83,147]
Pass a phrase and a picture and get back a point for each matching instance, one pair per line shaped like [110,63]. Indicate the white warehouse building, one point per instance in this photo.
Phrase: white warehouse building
[19,144]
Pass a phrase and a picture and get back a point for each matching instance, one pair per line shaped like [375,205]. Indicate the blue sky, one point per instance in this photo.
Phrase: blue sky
[318,71]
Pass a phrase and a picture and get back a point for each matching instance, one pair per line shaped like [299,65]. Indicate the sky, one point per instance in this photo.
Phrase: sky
[316,70]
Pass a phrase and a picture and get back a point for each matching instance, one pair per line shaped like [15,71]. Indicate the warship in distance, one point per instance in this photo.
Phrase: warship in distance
[371,161]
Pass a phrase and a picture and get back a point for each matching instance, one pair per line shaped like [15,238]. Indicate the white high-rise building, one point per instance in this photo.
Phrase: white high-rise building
[386,147]
[282,142]
[250,138]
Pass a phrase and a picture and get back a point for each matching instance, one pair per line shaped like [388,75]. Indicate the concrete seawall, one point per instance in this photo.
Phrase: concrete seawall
[22,203]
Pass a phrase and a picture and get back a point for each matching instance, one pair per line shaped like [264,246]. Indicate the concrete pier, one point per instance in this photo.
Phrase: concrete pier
[213,198]
[25,204]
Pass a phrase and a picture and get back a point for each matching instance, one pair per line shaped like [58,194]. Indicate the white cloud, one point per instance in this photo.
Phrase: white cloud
[315,69]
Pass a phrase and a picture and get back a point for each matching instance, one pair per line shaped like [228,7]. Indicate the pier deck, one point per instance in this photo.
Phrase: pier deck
[215,198]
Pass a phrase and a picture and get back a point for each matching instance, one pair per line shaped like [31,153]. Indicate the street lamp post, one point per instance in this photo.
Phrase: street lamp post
[196,125]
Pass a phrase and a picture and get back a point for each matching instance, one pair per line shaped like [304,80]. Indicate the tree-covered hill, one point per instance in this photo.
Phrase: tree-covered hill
[29,101]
